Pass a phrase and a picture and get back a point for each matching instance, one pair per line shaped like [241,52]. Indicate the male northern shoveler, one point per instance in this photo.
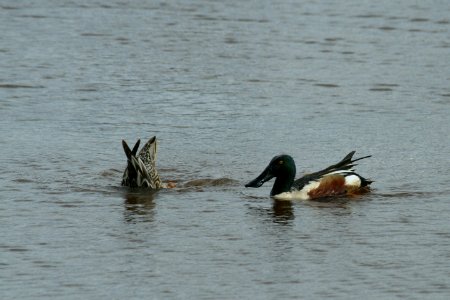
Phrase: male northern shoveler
[336,180]
[141,168]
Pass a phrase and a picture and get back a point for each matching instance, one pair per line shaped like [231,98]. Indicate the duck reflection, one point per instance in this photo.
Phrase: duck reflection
[139,205]
[332,203]
[282,212]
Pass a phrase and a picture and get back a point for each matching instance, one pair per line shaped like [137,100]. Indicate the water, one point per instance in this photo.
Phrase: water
[225,87]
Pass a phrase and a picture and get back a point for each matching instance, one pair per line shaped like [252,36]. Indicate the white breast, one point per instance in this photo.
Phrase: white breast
[298,195]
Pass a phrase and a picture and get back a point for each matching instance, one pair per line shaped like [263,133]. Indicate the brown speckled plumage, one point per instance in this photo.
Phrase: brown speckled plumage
[141,168]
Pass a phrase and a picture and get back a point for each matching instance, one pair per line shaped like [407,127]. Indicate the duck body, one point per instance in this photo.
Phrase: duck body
[141,167]
[336,180]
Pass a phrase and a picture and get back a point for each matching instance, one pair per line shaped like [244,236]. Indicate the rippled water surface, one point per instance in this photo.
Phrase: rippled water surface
[224,85]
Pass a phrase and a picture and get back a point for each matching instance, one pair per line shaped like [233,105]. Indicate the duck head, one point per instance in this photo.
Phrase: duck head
[282,167]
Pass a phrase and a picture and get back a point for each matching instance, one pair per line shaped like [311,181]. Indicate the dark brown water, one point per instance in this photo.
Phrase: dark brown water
[224,86]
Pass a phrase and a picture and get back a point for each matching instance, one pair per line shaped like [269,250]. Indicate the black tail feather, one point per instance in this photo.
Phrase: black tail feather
[126,149]
[345,164]
[361,158]
[135,148]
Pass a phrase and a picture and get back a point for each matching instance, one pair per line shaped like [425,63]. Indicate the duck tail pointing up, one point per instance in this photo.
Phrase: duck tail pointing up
[346,163]
[128,151]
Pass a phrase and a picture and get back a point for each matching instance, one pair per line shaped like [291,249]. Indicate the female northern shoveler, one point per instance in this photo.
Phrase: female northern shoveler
[141,168]
[336,180]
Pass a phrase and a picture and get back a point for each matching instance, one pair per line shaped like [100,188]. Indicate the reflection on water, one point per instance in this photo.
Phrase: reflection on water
[139,205]
[332,202]
[140,202]
[282,212]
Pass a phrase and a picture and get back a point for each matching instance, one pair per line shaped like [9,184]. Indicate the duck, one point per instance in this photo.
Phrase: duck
[141,167]
[339,179]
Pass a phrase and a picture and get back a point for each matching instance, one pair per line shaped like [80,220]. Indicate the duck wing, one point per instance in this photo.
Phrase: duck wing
[344,167]
[147,156]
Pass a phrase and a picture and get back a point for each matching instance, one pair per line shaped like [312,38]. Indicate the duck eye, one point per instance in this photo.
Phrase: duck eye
[281,162]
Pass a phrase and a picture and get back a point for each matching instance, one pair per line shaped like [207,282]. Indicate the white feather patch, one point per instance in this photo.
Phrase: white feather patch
[353,180]
[342,172]
[298,195]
